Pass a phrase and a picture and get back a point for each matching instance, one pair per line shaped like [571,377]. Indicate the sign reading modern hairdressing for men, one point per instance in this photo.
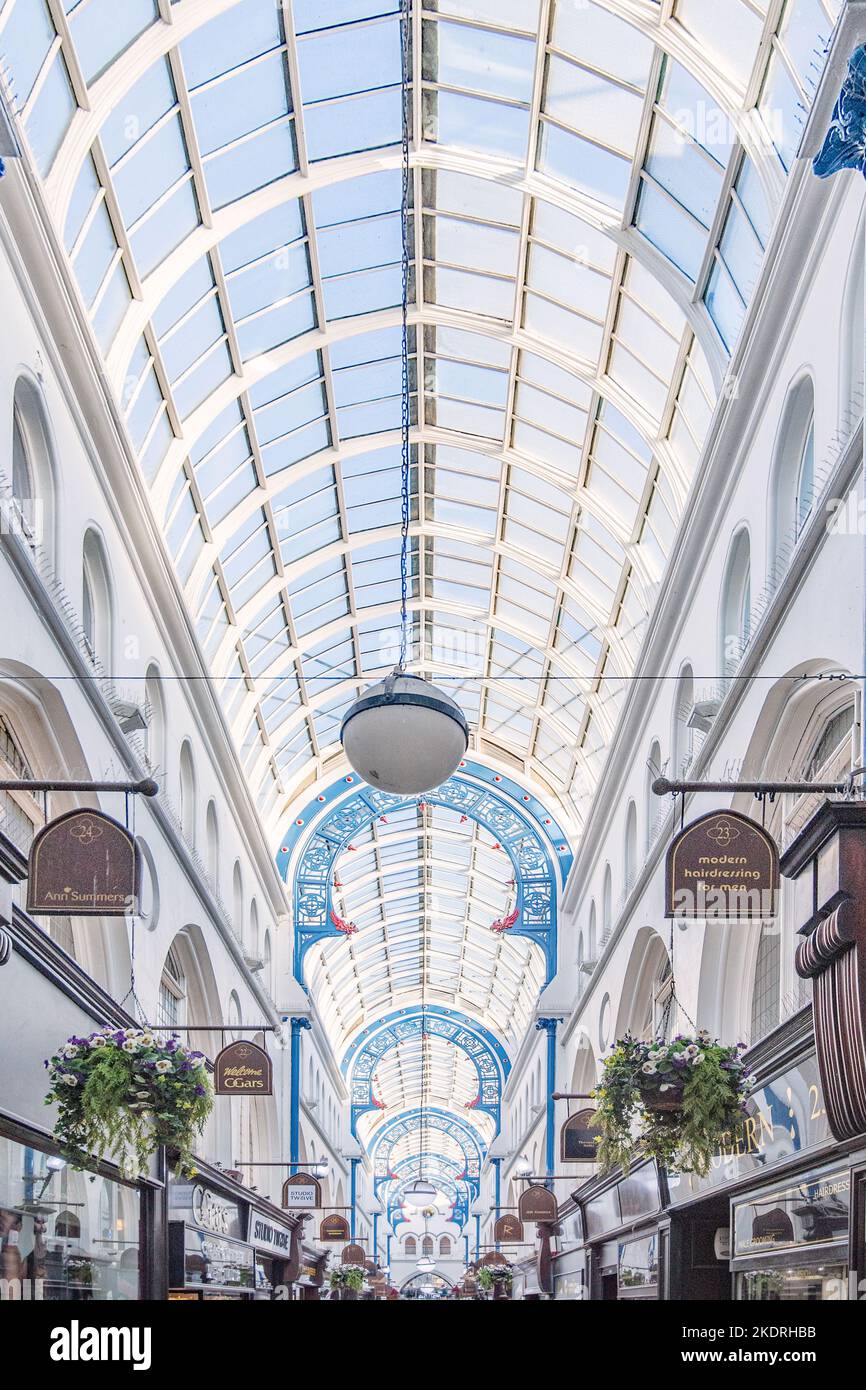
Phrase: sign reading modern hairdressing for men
[334,1227]
[301,1192]
[242,1068]
[723,865]
[537,1203]
[577,1138]
[83,864]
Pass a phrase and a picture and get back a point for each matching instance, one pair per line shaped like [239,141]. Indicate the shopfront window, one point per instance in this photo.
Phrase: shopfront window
[64,1235]
[809,1284]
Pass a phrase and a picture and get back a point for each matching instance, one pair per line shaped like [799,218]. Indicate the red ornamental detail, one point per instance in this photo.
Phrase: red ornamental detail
[503,923]
[383,820]
[347,928]
[471,1104]
[463,820]
[337,884]
[378,1104]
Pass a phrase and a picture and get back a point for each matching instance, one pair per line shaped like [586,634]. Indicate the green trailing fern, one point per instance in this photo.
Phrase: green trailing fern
[347,1277]
[675,1101]
[123,1092]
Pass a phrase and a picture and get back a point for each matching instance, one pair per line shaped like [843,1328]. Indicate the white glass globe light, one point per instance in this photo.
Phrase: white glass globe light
[404,735]
[419,1192]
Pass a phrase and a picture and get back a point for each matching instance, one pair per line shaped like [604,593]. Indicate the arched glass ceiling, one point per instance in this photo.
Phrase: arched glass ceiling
[423,890]
[593,185]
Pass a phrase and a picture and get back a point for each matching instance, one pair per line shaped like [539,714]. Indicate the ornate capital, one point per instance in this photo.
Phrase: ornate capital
[298,1024]
[844,144]
[549,1025]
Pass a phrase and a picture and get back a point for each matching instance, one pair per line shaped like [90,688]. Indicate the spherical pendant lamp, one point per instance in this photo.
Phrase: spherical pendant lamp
[419,1192]
[404,735]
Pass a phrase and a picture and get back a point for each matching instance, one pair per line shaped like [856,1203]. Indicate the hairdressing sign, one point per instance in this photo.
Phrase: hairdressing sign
[722,865]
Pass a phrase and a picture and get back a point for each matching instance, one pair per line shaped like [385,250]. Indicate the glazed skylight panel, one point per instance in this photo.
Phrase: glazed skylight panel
[350,79]
[796,60]
[597,70]
[239,94]
[477,87]
[738,256]
[689,147]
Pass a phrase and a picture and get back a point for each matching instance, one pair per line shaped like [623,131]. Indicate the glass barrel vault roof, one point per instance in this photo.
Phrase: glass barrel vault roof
[593,186]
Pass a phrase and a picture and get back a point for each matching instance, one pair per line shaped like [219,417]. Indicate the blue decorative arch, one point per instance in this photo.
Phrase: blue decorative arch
[536,845]
[456,1189]
[484,1050]
[439,1121]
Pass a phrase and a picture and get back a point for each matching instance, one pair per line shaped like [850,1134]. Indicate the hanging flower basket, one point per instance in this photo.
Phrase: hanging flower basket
[347,1280]
[497,1279]
[676,1101]
[124,1092]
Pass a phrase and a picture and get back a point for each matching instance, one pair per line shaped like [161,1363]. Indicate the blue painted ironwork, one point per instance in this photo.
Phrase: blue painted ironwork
[539,853]
[844,147]
[297,1025]
[439,1121]
[497,1186]
[548,1025]
[457,1189]
[844,144]
[484,1050]
[353,1162]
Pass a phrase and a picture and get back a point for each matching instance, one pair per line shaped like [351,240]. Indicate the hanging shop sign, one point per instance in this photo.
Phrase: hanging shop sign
[353,1255]
[577,1138]
[270,1237]
[243,1068]
[508,1230]
[537,1203]
[815,1211]
[84,864]
[302,1192]
[723,865]
[334,1228]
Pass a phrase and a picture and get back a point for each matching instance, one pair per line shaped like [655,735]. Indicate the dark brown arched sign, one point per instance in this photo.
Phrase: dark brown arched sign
[334,1227]
[577,1138]
[302,1192]
[243,1069]
[508,1230]
[722,865]
[492,1260]
[537,1203]
[84,864]
[354,1255]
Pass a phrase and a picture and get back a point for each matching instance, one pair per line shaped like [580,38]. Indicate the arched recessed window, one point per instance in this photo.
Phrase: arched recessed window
[267,957]
[187,793]
[427,1246]
[831,753]
[236,1017]
[630,846]
[767,984]
[96,602]
[172,992]
[682,742]
[851,373]
[238,899]
[606,903]
[212,843]
[592,936]
[653,805]
[411,1246]
[736,605]
[155,718]
[793,471]
[254,931]
[444,1245]
[32,513]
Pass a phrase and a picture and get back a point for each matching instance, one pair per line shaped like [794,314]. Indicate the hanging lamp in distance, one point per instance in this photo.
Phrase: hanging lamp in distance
[404,735]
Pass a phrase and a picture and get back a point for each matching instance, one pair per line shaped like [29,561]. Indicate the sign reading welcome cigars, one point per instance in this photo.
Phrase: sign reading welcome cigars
[83,864]
[722,865]
[243,1068]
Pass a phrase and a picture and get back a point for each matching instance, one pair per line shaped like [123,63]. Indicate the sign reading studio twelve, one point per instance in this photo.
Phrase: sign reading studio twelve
[302,1192]
[242,1068]
[83,864]
[722,865]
